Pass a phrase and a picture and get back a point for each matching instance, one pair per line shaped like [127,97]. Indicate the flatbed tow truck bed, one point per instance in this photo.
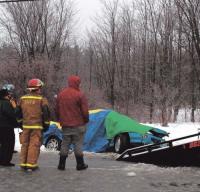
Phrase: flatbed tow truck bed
[167,152]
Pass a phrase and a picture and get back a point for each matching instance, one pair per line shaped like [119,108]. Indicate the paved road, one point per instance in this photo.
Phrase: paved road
[104,175]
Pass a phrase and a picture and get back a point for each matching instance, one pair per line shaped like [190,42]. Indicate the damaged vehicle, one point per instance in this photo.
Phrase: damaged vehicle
[108,130]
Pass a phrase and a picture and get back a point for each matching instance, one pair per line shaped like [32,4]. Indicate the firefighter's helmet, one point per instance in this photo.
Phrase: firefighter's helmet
[35,84]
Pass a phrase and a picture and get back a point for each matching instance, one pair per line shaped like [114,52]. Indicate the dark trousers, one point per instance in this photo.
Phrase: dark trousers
[72,136]
[7,143]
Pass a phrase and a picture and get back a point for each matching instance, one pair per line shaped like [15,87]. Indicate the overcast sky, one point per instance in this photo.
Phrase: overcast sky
[87,10]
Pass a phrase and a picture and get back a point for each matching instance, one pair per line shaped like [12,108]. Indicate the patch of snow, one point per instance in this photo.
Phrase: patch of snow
[177,130]
[131,174]
[17,143]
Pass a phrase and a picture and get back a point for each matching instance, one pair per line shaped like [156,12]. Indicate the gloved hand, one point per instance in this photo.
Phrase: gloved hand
[45,128]
[13,103]
[20,126]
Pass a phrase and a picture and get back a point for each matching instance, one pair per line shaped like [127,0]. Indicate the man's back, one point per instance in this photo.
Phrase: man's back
[72,106]
[72,112]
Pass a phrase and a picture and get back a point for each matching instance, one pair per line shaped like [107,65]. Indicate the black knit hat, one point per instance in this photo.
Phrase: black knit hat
[3,93]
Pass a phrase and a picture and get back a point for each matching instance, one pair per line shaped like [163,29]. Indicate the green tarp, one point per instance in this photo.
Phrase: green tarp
[116,123]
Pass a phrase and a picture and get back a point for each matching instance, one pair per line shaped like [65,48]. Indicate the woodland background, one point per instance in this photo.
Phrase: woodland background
[140,58]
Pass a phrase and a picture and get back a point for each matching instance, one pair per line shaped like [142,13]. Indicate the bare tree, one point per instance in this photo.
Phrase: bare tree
[40,31]
[107,44]
[39,36]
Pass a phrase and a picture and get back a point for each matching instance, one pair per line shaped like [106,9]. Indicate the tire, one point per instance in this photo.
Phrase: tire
[53,144]
[121,142]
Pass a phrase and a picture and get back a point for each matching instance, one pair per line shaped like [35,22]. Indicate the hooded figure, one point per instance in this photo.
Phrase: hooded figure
[7,124]
[72,106]
[72,113]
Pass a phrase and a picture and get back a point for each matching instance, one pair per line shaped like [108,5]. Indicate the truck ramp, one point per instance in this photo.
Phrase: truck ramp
[184,149]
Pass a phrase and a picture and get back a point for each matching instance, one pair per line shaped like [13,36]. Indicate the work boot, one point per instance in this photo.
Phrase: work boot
[80,163]
[62,161]
[7,164]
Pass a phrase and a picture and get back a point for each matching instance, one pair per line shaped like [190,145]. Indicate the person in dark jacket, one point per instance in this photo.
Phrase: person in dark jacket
[73,114]
[7,124]
[12,98]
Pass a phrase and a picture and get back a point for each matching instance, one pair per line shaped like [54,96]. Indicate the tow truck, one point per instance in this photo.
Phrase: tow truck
[180,151]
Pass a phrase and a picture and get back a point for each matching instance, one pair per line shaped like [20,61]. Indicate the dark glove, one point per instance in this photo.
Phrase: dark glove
[45,128]
[20,126]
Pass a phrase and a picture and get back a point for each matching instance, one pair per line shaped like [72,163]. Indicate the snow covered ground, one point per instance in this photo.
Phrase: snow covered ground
[177,130]
[183,126]
[17,144]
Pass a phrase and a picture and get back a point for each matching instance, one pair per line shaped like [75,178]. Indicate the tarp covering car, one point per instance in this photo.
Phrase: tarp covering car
[103,129]
[117,123]
[104,125]
[95,139]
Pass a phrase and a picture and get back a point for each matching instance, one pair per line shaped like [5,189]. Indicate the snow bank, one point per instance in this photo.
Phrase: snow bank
[177,130]
[17,143]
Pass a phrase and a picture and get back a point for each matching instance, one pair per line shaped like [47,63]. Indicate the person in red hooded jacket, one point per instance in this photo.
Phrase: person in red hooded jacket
[73,114]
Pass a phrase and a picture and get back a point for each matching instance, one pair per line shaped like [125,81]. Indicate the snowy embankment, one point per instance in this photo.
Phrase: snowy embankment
[177,130]
[183,127]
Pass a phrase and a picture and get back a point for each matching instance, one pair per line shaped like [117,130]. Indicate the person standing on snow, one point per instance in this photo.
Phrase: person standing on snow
[34,113]
[7,124]
[72,113]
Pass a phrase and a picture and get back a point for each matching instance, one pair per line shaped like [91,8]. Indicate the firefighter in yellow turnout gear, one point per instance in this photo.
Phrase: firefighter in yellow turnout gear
[33,112]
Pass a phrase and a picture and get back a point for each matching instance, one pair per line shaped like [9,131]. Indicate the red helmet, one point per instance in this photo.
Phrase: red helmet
[34,84]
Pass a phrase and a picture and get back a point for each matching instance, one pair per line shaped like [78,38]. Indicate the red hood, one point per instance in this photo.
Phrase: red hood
[74,82]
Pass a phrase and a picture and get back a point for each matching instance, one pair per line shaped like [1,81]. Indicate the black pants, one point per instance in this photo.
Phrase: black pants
[7,143]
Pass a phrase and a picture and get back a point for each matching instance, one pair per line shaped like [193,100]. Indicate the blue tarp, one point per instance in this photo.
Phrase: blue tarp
[95,137]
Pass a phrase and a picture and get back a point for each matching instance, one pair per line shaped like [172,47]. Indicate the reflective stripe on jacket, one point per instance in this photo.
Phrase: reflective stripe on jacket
[34,111]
